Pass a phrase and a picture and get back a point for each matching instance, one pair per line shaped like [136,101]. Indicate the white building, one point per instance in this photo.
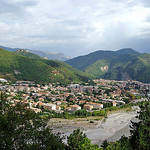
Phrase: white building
[75,108]
[49,106]
[3,80]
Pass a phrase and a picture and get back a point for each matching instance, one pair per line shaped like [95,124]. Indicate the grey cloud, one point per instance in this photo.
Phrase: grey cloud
[147,19]
[142,45]
[74,27]
[145,2]
[8,6]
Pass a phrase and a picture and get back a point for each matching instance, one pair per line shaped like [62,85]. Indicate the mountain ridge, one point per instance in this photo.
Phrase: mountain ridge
[116,65]
[26,53]
[81,62]
[17,67]
[45,54]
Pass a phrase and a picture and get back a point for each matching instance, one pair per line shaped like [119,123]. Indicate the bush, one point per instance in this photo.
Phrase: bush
[91,121]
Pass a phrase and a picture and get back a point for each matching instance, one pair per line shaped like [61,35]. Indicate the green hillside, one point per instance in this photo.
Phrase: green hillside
[136,69]
[27,54]
[118,65]
[17,67]
[98,68]
[122,55]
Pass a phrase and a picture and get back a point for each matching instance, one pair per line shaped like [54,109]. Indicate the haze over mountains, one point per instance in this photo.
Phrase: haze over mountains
[44,54]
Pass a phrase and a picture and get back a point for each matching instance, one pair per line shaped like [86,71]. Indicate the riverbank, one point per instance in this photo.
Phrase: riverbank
[108,127]
[97,129]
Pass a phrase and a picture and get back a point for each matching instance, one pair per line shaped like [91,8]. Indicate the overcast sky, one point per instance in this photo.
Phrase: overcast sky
[75,27]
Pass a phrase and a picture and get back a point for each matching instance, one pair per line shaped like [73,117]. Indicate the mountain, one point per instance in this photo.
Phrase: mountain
[26,53]
[9,49]
[123,64]
[82,62]
[137,68]
[127,51]
[50,55]
[44,54]
[18,67]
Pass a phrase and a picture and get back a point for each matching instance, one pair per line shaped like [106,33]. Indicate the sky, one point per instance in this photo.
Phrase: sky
[75,27]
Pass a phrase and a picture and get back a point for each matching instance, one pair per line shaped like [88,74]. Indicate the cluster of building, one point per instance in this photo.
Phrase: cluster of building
[73,96]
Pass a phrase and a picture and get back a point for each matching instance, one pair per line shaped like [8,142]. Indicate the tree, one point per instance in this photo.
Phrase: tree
[21,128]
[105,144]
[79,141]
[140,133]
[122,144]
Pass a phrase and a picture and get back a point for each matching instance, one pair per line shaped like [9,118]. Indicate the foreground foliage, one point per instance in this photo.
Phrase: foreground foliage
[140,133]
[79,141]
[21,128]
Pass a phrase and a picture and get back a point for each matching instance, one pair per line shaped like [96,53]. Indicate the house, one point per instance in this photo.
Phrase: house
[58,102]
[35,104]
[58,108]
[68,108]
[16,101]
[41,99]
[3,80]
[88,107]
[95,105]
[40,104]
[36,110]
[114,103]
[75,108]
[82,101]
[49,106]
[114,94]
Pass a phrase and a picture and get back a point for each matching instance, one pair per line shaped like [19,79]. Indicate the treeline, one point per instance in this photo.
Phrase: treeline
[82,113]
[129,105]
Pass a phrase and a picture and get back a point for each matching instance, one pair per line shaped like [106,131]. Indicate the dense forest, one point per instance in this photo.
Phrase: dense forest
[117,65]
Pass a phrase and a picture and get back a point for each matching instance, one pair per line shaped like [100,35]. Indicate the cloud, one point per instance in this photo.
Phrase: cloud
[75,27]
[16,7]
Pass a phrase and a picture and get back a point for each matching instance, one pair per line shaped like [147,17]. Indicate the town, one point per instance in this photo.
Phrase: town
[74,96]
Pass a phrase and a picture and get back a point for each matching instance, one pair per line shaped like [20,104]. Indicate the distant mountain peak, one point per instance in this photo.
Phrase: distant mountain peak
[44,54]
[127,51]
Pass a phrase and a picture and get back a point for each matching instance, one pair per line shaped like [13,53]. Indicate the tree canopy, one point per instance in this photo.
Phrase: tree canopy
[21,128]
[79,141]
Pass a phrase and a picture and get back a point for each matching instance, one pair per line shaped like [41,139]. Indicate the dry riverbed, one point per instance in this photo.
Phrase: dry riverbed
[65,126]
[98,131]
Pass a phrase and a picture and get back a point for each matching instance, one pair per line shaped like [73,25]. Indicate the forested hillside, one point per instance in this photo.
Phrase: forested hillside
[123,64]
[18,67]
